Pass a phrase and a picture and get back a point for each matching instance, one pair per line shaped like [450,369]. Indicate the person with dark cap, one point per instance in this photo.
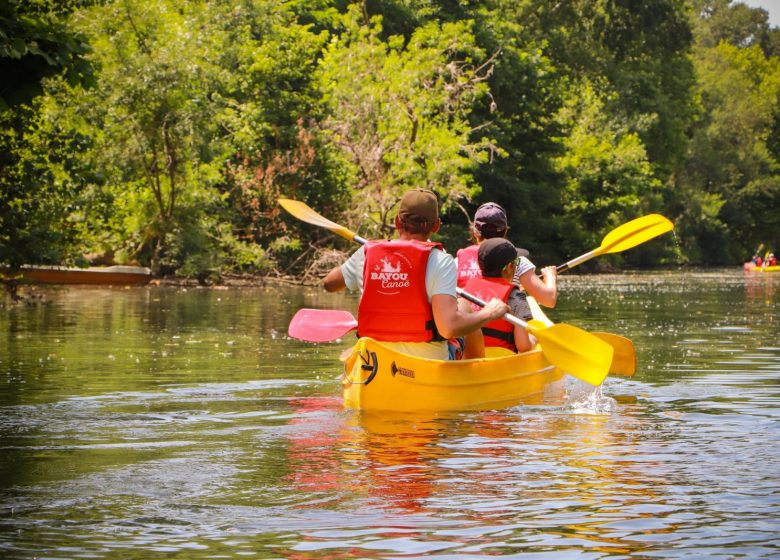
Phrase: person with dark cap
[407,285]
[490,222]
[498,260]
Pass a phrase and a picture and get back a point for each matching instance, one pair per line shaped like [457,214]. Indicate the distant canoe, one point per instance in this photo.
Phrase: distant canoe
[106,276]
[751,267]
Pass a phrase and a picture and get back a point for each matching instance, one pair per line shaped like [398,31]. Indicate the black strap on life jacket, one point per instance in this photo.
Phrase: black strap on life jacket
[501,335]
[431,325]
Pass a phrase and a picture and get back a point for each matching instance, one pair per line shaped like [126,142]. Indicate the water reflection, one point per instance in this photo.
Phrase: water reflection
[210,434]
[493,471]
[761,292]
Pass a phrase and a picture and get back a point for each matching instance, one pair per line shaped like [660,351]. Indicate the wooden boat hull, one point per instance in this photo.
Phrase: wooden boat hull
[377,377]
[111,275]
[751,267]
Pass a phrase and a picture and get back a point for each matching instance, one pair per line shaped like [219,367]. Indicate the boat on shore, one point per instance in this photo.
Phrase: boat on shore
[751,267]
[104,276]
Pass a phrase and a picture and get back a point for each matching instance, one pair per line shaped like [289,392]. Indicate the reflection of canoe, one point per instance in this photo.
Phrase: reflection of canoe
[111,275]
[751,267]
[377,377]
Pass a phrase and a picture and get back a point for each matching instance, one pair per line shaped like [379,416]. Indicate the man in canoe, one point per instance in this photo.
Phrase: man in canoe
[407,285]
[498,260]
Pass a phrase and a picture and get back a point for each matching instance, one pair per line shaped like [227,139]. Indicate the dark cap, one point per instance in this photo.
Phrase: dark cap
[490,214]
[494,254]
[418,205]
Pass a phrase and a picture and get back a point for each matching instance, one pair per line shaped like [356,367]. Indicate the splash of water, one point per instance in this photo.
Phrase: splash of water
[583,398]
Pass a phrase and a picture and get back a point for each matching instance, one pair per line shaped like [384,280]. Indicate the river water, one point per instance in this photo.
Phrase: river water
[183,423]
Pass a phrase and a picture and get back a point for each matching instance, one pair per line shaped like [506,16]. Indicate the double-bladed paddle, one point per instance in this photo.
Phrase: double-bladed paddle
[571,349]
[327,325]
[621,238]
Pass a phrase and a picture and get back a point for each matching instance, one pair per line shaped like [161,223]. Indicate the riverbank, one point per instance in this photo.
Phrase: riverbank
[231,281]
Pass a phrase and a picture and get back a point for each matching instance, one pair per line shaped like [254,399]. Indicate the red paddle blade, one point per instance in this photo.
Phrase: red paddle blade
[321,325]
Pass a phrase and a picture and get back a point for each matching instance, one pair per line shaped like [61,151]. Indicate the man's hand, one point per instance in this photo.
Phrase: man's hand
[549,273]
[495,309]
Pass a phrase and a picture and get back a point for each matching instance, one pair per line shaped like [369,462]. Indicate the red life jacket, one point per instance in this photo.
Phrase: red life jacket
[497,332]
[468,265]
[394,306]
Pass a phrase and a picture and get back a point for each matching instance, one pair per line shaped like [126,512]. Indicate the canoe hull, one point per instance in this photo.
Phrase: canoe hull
[106,276]
[377,377]
[751,267]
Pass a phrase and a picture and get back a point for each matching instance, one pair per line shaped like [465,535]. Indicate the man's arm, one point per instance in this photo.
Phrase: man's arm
[334,280]
[451,322]
[346,275]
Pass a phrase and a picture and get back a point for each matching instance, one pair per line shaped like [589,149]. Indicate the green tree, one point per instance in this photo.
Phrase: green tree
[637,55]
[35,43]
[730,157]
[399,112]
[633,59]
[155,137]
[735,23]
[272,108]
[40,186]
[37,195]
[608,175]
[203,115]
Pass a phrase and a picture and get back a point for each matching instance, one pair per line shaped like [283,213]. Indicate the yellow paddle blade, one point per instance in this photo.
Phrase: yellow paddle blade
[304,212]
[575,351]
[624,353]
[634,233]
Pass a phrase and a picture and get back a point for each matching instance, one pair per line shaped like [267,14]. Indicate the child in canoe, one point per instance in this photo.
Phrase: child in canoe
[498,261]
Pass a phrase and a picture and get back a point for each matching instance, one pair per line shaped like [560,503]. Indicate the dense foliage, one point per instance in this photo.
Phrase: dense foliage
[161,132]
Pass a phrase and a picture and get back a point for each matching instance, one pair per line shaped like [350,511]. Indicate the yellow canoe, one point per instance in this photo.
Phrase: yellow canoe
[750,267]
[377,377]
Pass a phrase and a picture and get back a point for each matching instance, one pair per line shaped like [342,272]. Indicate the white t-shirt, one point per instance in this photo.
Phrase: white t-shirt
[522,267]
[441,276]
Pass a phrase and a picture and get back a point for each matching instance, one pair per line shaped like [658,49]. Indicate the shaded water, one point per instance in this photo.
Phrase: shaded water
[160,422]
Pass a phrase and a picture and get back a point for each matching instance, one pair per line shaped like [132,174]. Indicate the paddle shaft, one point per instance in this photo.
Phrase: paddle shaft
[619,239]
[507,316]
[579,260]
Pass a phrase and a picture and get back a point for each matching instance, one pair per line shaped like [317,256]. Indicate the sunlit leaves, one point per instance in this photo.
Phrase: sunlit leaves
[606,168]
[399,110]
